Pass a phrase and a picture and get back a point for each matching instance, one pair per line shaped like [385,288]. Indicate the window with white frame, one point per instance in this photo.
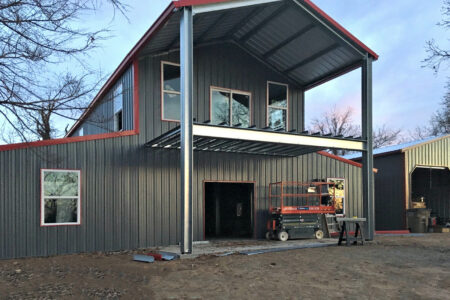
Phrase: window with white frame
[81,131]
[60,197]
[230,107]
[277,105]
[170,91]
[118,107]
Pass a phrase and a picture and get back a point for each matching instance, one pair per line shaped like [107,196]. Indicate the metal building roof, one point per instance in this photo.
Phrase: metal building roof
[287,35]
[398,148]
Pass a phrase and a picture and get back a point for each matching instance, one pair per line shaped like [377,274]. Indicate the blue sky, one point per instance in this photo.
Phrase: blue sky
[405,93]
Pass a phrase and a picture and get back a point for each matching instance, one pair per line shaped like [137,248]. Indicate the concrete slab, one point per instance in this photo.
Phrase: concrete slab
[248,247]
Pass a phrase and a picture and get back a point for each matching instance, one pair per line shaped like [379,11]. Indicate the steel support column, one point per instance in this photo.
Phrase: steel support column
[186,123]
[367,155]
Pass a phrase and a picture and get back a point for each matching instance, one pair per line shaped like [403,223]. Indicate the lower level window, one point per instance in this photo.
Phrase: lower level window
[60,198]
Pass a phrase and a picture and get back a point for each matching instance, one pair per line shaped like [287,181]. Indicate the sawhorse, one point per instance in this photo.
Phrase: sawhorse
[359,228]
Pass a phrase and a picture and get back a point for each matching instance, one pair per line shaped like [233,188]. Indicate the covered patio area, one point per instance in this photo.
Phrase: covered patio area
[293,38]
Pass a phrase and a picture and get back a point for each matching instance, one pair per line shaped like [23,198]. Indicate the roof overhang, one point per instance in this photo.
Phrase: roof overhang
[254,141]
[293,37]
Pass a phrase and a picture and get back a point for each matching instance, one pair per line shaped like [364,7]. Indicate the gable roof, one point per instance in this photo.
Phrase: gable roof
[336,59]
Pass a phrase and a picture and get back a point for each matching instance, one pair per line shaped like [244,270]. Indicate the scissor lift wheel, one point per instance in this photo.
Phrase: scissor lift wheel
[283,236]
[319,234]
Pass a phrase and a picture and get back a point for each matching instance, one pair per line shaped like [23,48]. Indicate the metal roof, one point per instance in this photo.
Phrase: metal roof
[288,36]
[398,148]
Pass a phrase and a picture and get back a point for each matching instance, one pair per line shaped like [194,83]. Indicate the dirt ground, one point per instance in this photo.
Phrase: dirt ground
[389,267]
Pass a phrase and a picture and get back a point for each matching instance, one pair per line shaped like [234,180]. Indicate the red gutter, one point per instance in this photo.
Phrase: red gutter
[392,232]
[347,161]
[125,63]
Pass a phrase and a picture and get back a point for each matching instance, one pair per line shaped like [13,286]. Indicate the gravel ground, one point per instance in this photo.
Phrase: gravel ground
[389,267]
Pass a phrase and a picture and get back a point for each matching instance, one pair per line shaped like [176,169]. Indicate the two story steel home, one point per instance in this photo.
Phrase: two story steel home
[185,137]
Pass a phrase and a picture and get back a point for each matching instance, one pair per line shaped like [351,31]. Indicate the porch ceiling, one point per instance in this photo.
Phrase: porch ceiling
[287,36]
[254,141]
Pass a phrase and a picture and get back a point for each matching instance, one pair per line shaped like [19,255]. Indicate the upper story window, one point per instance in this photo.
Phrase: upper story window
[230,107]
[277,105]
[60,197]
[118,107]
[171,91]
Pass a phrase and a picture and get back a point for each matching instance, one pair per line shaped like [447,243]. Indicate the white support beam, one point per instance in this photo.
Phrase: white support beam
[199,9]
[276,137]
[186,153]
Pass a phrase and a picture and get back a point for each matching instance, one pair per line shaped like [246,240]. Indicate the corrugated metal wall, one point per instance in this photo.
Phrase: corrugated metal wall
[389,192]
[223,65]
[130,194]
[101,119]
[436,154]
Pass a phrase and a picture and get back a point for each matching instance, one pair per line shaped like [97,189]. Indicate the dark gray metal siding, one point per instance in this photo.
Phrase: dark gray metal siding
[130,194]
[101,120]
[389,192]
[223,65]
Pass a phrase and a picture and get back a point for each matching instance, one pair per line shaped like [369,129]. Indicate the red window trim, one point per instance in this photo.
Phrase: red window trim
[164,62]
[231,91]
[287,104]
[41,219]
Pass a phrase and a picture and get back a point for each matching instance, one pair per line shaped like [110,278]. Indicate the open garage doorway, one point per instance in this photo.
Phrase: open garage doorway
[229,209]
[432,185]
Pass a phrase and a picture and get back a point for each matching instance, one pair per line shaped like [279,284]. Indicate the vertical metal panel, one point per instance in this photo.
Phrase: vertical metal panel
[389,192]
[101,119]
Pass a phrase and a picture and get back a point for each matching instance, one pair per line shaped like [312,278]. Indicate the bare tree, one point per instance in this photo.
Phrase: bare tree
[340,123]
[440,121]
[36,38]
[384,136]
[336,123]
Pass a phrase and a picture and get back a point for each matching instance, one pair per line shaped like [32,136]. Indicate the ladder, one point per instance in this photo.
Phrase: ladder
[332,225]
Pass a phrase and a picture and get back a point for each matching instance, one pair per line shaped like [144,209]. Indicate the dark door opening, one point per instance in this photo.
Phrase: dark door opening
[228,210]
[433,185]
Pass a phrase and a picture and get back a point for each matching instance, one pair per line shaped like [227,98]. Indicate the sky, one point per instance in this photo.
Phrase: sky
[405,94]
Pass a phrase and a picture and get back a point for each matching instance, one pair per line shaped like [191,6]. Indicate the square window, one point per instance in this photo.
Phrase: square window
[60,197]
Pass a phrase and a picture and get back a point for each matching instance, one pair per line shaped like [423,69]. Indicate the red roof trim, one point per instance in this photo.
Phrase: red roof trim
[341,28]
[125,63]
[347,161]
[74,139]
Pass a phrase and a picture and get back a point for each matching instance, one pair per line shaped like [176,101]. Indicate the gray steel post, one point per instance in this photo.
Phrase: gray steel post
[186,62]
[367,156]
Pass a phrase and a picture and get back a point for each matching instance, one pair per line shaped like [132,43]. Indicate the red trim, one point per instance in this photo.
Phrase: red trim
[182,3]
[347,161]
[231,181]
[136,94]
[74,139]
[392,232]
[41,223]
[125,63]
[341,28]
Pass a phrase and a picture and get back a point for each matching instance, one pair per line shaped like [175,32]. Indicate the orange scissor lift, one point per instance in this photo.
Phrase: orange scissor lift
[299,209]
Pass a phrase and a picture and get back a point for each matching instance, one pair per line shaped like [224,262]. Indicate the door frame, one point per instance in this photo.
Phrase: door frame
[231,181]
